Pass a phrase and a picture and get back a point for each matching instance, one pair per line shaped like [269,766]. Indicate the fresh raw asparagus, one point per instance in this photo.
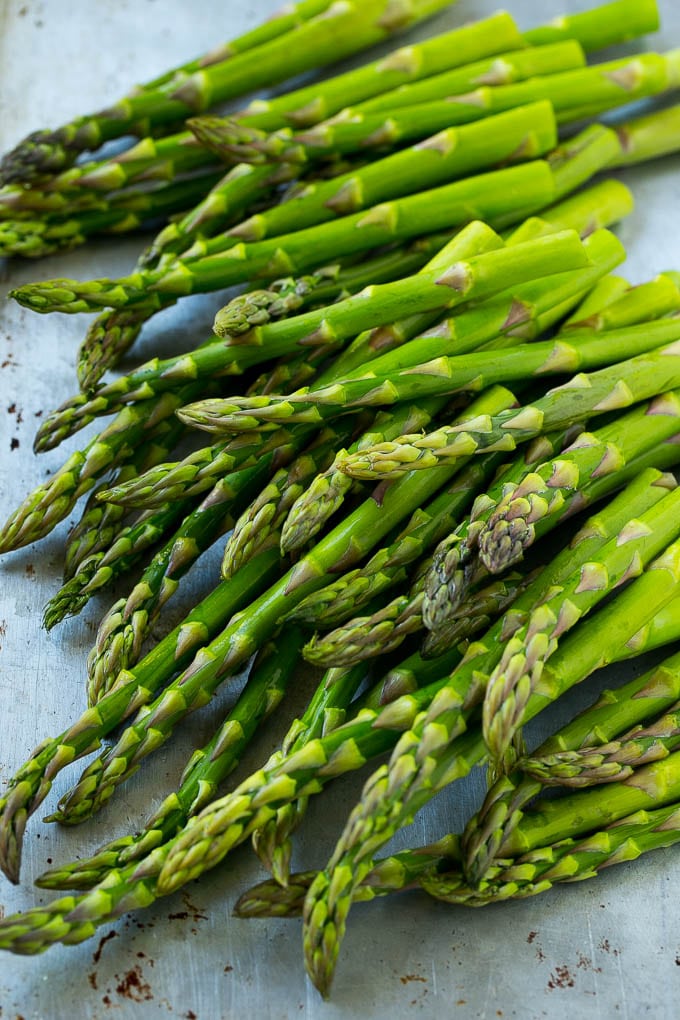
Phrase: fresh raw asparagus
[495,197]
[229,138]
[343,546]
[439,377]
[420,110]
[212,835]
[339,30]
[205,771]
[466,280]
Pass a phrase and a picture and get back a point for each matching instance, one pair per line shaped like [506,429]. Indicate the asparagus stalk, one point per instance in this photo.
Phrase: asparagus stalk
[222,824]
[517,135]
[494,197]
[439,377]
[124,628]
[648,137]
[343,546]
[137,885]
[420,110]
[230,137]
[389,566]
[518,672]
[206,769]
[588,393]
[339,30]
[32,782]
[465,280]
[47,505]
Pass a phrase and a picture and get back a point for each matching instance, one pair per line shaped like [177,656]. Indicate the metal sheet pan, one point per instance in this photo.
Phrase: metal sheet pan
[608,948]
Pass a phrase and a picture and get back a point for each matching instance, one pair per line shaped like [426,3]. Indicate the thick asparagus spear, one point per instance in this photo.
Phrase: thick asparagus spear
[231,138]
[587,394]
[439,377]
[343,546]
[495,197]
[423,109]
[212,835]
[137,885]
[463,281]
[342,28]
[205,771]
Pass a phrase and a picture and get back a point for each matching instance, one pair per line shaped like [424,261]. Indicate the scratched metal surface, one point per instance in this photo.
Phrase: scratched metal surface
[602,949]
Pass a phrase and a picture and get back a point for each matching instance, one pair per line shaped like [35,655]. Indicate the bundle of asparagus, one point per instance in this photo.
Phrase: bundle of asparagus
[404,292]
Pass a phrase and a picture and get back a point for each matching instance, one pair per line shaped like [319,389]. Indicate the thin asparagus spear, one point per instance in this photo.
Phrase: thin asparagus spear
[124,628]
[440,377]
[420,110]
[230,137]
[101,522]
[343,546]
[264,516]
[210,837]
[33,781]
[517,135]
[469,279]
[389,566]
[648,137]
[206,769]
[341,29]
[608,389]
[42,510]
[494,197]
[137,885]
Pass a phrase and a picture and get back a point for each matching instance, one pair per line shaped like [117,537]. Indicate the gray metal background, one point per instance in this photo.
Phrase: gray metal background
[608,948]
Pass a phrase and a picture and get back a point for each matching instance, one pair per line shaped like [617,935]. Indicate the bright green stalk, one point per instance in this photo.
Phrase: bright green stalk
[425,759]
[206,769]
[124,628]
[517,135]
[608,389]
[424,109]
[595,29]
[227,821]
[197,472]
[341,29]
[337,602]
[495,197]
[32,782]
[648,137]
[51,502]
[232,138]
[517,674]
[310,104]
[265,515]
[465,280]
[585,349]
[344,546]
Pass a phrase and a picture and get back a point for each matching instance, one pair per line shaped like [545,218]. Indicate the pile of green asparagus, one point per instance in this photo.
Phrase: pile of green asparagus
[430,368]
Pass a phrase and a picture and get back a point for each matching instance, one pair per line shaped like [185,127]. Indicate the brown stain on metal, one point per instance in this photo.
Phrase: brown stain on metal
[97,955]
[407,978]
[133,986]
[531,936]
[561,978]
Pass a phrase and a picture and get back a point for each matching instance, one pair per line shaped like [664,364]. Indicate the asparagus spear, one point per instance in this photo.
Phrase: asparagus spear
[423,109]
[137,885]
[229,138]
[51,502]
[32,782]
[439,377]
[343,546]
[206,769]
[588,393]
[390,566]
[518,135]
[209,838]
[465,280]
[340,29]
[496,196]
